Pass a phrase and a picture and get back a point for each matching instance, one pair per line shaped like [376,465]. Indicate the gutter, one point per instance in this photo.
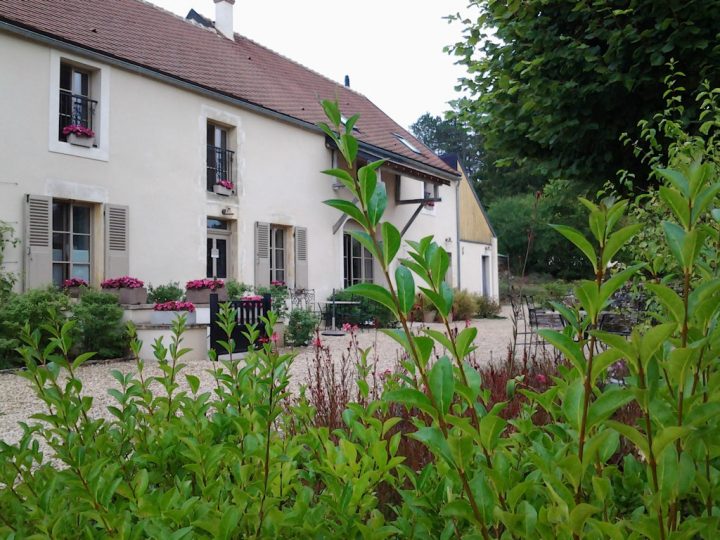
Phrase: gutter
[47,39]
[457,234]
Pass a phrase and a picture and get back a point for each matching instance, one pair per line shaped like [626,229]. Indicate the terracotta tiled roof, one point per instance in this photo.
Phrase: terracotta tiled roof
[144,34]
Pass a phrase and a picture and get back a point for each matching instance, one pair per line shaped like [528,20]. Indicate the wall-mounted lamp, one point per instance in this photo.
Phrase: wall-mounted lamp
[227,211]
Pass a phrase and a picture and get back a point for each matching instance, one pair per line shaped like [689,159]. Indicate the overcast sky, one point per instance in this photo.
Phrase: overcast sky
[391,49]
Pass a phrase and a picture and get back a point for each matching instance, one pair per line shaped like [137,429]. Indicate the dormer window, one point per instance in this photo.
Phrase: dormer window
[77,109]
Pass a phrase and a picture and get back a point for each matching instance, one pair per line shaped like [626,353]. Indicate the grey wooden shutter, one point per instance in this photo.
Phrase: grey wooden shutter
[117,240]
[262,254]
[38,241]
[301,258]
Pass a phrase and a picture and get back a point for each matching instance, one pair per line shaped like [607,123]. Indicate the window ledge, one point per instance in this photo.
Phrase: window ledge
[97,153]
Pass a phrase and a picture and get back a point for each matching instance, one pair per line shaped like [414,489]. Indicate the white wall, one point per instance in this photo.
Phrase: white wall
[472,272]
[152,158]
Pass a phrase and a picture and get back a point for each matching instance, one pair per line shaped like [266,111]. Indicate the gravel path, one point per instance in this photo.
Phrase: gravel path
[18,401]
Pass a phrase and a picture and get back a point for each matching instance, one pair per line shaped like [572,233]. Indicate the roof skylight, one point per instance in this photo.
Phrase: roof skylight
[407,143]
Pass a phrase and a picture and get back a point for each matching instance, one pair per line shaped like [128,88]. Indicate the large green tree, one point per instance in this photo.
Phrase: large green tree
[552,84]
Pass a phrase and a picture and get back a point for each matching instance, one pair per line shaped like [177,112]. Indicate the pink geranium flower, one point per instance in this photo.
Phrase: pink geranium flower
[80,131]
[124,282]
[174,306]
[212,284]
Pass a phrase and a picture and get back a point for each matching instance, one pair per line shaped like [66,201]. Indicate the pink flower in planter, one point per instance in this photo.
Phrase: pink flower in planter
[80,131]
[124,282]
[173,305]
[252,298]
[212,284]
[74,282]
[277,283]
[227,184]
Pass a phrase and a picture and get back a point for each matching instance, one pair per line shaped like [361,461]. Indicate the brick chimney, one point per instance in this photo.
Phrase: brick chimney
[224,18]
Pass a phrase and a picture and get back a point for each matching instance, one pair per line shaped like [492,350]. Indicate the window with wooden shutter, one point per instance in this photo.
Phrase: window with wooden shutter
[262,254]
[117,249]
[301,258]
[38,246]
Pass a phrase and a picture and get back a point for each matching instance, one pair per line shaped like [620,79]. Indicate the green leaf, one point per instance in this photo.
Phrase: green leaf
[347,207]
[571,349]
[631,434]
[675,236]
[390,242]
[670,300]
[374,292]
[229,522]
[666,436]
[572,403]
[654,339]
[442,383]
[377,203]
[528,516]
[348,147]
[678,204]
[433,438]
[577,238]
[344,177]
[579,515]
[332,111]
[464,341]
[411,397]
[405,285]
[367,177]
[366,240]
[677,179]
[458,509]
[194,382]
[605,405]
[617,240]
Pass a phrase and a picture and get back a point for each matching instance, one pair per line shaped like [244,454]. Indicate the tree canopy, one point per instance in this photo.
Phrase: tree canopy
[552,84]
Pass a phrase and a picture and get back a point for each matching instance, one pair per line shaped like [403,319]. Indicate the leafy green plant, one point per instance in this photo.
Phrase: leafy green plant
[165,293]
[279,298]
[32,307]
[99,325]
[465,305]
[486,308]
[236,289]
[7,279]
[301,326]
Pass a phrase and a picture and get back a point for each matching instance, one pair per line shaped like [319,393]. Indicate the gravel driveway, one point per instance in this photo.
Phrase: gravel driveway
[18,401]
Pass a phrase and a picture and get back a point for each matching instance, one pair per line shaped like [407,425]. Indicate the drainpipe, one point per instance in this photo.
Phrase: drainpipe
[457,225]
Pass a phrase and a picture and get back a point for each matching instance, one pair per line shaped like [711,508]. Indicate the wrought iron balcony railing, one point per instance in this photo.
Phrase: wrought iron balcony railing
[75,110]
[219,165]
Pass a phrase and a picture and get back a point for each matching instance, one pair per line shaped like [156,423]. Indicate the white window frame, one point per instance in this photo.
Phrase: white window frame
[70,236]
[99,90]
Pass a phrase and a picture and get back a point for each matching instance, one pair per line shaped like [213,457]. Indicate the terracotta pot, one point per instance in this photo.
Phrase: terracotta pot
[168,317]
[79,140]
[202,296]
[129,296]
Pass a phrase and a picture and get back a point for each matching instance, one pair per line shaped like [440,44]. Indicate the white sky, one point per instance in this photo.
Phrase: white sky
[392,49]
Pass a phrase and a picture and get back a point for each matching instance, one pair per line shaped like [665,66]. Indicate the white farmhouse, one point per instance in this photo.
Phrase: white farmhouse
[205,159]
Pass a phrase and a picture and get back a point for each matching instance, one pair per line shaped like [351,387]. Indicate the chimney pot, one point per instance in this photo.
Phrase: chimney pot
[347,81]
[224,18]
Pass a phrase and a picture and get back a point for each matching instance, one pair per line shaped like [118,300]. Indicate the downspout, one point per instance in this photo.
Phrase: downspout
[457,224]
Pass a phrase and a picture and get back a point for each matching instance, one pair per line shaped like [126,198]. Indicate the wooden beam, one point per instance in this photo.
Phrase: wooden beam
[340,222]
[419,201]
[412,218]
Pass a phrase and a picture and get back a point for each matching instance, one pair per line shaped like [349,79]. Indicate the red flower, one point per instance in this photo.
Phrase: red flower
[212,284]
[173,305]
[74,282]
[227,184]
[124,282]
[80,131]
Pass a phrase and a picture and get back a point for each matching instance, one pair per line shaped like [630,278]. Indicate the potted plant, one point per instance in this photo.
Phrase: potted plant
[224,187]
[198,291]
[74,287]
[167,312]
[129,290]
[79,135]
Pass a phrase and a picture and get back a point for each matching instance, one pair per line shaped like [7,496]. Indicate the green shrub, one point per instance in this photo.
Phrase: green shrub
[31,307]
[279,297]
[487,308]
[165,293]
[236,289]
[300,327]
[464,305]
[99,325]
[366,313]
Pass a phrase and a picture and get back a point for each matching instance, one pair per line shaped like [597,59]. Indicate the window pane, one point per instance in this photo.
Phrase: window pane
[210,271]
[59,272]
[217,224]
[81,248]
[65,77]
[356,270]
[80,83]
[60,217]
[81,219]
[368,275]
[211,135]
[280,259]
[61,246]
[221,263]
[81,271]
[279,238]
[221,138]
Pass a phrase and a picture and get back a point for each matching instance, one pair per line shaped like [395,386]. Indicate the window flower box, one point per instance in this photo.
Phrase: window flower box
[79,135]
[167,312]
[198,291]
[74,287]
[224,187]
[129,290]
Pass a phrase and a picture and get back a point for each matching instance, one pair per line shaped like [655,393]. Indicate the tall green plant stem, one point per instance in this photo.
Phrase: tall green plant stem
[372,231]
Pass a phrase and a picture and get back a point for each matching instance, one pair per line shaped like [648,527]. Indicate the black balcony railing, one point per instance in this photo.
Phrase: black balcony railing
[75,110]
[219,165]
